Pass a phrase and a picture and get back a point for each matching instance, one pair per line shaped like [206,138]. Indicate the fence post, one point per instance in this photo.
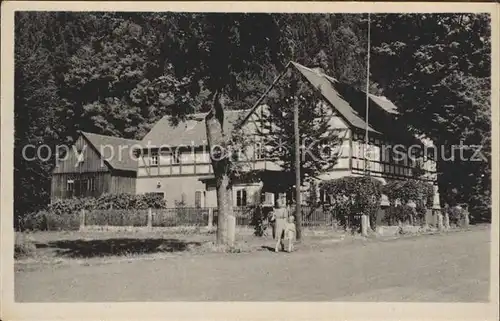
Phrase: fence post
[364,224]
[428,212]
[231,226]
[82,220]
[210,218]
[150,218]
[466,218]
[446,220]
[439,218]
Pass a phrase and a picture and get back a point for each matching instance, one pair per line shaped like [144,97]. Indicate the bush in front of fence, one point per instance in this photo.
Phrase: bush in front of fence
[117,217]
[121,209]
[45,220]
[402,192]
[180,216]
[354,196]
[396,215]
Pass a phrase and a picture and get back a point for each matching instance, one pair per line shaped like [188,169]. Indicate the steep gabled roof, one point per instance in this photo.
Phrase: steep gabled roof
[115,150]
[191,132]
[326,86]
[350,104]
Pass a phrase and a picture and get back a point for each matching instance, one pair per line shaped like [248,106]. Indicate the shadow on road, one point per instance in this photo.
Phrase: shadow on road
[116,246]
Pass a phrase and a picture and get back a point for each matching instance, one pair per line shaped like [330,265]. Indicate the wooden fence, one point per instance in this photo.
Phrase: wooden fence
[191,216]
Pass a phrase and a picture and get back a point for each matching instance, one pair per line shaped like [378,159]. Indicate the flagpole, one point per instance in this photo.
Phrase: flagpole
[365,220]
[366,171]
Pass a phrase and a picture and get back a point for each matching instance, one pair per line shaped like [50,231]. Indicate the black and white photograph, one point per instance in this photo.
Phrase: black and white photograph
[335,156]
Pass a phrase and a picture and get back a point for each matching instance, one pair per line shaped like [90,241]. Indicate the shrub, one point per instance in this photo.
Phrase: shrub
[259,221]
[117,217]
[35,221]
[23,247]
[182,212]
[422,193]
[165,218]
[396,214]
[355,196]
[56,222]
[64,214]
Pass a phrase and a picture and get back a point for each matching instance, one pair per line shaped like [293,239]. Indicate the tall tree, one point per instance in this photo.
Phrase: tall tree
[43,41]
[319,141]
[214,50]
[439,76]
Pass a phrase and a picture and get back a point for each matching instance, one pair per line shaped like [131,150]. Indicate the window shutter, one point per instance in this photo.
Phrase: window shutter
[238,198]
[197,199]
[244,198]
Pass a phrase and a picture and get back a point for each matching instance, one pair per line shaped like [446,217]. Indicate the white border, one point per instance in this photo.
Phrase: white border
[284,311]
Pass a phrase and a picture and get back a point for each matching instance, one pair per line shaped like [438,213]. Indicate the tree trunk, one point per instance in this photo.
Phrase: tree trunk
[217,146]
[226,220]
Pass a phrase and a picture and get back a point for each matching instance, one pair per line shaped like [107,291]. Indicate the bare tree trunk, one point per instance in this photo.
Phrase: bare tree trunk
[226,219]
[217,146]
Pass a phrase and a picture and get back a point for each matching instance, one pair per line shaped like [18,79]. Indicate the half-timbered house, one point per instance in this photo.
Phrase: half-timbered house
[94,165]
[177,162]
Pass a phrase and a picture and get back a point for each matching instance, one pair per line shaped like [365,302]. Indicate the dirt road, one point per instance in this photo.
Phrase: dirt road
[451,267]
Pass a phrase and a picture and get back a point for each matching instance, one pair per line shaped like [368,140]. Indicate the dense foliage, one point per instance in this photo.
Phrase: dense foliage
[421,192]
[65,213]
[354,195]
[439,77]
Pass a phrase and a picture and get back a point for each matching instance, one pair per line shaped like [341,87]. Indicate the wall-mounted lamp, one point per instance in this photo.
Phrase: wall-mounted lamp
[158,184]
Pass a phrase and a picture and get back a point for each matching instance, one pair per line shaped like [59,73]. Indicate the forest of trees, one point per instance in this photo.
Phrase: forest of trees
[118,73]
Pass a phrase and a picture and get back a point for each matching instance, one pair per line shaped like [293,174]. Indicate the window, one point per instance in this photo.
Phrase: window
[321,196]
[70,184]
[241,197]
[199,199]
[162,194]
[91,184]
[84,186]
[176,158]
[154,160]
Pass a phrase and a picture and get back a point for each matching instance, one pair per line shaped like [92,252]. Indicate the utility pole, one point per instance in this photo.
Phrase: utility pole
[366,168]
[298,209]
[365,219]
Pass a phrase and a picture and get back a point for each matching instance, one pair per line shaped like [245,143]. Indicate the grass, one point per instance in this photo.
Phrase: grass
[93,246]
[98,247]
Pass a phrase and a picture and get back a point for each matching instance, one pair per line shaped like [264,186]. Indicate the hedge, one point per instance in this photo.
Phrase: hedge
[422,193]
[354,196]
[64,214]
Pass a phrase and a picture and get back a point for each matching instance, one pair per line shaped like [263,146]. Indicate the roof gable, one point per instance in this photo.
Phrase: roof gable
[326,86]
[190,132]
[116,151]
[350,104]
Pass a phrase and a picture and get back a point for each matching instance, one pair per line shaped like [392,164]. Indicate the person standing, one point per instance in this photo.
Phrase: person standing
[281,215]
